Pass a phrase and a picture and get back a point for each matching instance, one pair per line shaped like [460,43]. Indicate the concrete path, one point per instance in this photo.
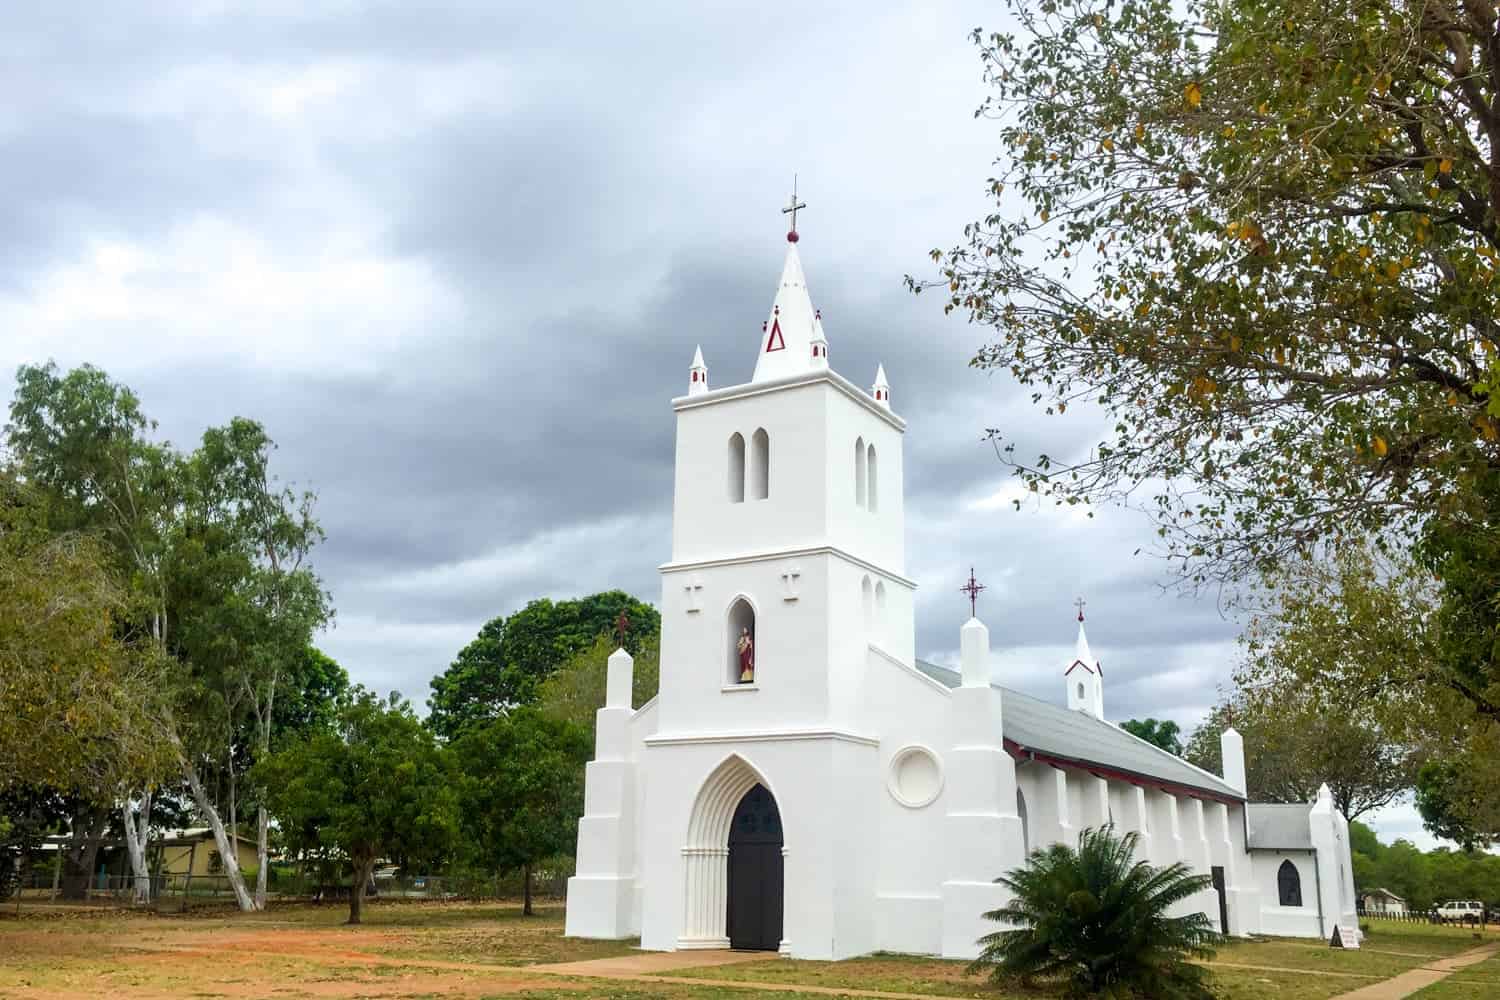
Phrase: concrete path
[652,962]
[1409,982]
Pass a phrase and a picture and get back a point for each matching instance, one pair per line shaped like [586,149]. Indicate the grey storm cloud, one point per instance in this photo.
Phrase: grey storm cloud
[457,256]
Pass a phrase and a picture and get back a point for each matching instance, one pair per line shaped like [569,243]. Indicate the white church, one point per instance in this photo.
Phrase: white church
[803,783]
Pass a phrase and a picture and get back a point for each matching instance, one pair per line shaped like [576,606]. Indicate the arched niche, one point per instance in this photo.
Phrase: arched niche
[740,621]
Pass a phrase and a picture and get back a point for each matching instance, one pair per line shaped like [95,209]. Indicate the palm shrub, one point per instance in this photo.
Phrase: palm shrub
[1096,919]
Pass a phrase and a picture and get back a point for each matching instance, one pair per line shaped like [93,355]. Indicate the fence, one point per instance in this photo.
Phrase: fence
[1419,917]
[39,887]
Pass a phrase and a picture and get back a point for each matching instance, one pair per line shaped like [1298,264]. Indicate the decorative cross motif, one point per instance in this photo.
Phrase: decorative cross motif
[1079,605]
[789,580]
[972,588]
[622,625]
[791,209]
[691,588]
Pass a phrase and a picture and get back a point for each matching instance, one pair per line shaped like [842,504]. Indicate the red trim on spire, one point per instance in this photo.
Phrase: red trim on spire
[791,236]
[775,341]
[1076,665]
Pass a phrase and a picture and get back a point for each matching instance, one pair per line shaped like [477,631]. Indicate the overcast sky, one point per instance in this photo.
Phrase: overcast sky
[456,258]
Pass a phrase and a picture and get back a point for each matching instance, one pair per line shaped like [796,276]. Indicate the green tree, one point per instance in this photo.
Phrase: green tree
[511,656]
[1292,747]
[79,704]
[1164,734]
[1099,921]
[522,789]
[575,691]
[268,604]
[375,785]
[1263,238]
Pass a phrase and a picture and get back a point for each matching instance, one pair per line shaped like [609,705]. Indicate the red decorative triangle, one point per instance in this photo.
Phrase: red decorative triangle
[774,342]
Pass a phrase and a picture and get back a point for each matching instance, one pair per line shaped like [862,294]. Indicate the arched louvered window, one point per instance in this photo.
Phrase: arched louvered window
[859,472]
[872,479]
[1289,884]
[736,468]
[760,465]
[866,600]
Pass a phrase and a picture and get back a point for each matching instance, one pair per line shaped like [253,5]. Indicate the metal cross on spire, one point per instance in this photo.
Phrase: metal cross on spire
[972,588]
[791,209]
[1079,605]
[622,625]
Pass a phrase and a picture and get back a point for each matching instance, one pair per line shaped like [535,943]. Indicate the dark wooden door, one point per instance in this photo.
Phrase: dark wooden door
[1218,876]
[755,873]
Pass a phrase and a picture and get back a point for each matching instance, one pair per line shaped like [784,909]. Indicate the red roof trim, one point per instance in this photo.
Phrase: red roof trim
[1077,664]
[1019,752]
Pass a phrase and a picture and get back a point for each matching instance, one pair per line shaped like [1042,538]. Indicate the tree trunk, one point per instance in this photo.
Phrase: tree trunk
[362,870]
[526,891]
[227,850]
[87,830]
[136,831]
[262,839]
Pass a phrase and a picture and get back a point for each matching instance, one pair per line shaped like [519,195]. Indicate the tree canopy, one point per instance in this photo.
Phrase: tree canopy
[1161,733]
[522,789]
[511,656]
[374,785]
[1263,238]
[575,691]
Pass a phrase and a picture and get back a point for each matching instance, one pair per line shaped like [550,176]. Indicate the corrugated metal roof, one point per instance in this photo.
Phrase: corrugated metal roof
[1277,827]
[1077,736]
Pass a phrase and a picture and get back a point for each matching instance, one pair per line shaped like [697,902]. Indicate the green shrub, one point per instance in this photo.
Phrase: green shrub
[1096,920]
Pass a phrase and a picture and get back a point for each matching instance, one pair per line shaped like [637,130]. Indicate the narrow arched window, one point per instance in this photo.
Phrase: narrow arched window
[1289,884]
[1025,823]
[859,472]
[760,465]
[866,600]
[1080,690]
[880,599]
[872,480]
[740,633]
[736,468]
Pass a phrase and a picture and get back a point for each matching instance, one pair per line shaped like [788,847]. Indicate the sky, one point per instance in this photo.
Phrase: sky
[456,258]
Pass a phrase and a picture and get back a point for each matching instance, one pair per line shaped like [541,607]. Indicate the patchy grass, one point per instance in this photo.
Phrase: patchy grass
[891,973]
[416,949]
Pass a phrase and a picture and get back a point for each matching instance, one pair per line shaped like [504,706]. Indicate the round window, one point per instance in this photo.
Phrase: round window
[916,777]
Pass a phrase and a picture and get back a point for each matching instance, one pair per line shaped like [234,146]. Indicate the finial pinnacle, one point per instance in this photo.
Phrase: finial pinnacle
[1079,605]
[791,209]
[622,625]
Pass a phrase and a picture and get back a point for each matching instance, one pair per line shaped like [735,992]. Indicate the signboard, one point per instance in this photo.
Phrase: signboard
[1344,936]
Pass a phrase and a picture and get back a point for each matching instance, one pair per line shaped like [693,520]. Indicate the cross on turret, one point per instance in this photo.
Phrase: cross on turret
[972,588]
[1079,605]
[622,625]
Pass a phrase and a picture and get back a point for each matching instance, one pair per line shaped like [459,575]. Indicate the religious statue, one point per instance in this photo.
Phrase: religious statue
[746,646]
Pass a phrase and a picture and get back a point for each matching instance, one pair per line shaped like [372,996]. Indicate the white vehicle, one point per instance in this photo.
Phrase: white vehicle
[1461,911]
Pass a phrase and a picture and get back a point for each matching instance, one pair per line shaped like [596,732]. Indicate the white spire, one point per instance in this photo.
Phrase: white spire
[786,338]
[698,374]
[819,342]
[1084,677]
[881,390]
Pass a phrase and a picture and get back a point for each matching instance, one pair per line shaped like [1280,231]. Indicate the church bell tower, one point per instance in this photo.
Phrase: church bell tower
[788,555]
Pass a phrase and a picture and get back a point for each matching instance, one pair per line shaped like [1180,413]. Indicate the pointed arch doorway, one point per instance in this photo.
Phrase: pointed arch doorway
[756,873]
[734,862]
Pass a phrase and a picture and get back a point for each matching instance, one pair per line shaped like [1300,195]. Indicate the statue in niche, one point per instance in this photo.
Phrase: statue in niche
[746,647]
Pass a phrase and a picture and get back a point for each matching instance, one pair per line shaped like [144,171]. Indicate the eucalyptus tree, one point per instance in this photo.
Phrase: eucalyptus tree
[258,630]
[1263,237]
